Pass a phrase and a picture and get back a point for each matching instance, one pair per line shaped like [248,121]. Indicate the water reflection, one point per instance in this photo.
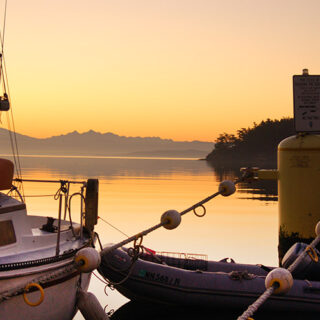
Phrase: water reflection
[263,190]
[106,168]
[259,190]
[111,168]
[133,193]
[139,311]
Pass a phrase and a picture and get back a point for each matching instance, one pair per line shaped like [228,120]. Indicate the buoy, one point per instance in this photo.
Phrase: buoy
[227,188]
[280,276]
[173,219]
[90,307]
[87,259]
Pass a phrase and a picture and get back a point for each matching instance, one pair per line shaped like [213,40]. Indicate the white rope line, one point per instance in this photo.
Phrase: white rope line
[246,175]
[157,226]
[263,298]
[259,302]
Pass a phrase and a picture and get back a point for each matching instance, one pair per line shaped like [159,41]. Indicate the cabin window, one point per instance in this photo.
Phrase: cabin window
[7,235]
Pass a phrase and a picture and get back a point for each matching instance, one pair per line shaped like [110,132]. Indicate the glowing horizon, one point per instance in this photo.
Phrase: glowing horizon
[175,69]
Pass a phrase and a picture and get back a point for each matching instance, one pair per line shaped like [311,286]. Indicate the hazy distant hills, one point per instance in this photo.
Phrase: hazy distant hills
[93,143]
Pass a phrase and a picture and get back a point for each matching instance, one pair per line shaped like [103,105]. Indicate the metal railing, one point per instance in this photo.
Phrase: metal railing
[64,199]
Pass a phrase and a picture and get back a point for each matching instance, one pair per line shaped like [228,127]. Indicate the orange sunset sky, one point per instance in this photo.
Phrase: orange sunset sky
[180,69]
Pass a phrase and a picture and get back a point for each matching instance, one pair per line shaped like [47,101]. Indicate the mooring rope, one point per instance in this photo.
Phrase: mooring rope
[269,291]
[226,188]
[258,303]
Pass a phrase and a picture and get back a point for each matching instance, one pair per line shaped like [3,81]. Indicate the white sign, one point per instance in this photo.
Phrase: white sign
[306,98]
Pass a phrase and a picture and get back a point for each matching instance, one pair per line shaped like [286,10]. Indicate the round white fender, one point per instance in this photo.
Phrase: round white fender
[227,188]
[281,276]
[87,259]
[173,219]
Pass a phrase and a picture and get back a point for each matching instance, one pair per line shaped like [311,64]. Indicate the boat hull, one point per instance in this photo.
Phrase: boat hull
[59,296]
[153,282]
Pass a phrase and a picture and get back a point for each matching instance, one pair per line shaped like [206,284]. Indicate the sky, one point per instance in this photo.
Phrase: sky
[177,69]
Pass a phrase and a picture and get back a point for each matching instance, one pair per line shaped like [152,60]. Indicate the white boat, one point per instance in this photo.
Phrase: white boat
[45,262]
[39,277]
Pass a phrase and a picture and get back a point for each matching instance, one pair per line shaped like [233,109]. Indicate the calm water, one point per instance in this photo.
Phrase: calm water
[135,192]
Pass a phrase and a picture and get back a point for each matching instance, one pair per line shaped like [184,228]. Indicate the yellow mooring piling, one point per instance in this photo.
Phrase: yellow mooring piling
[298,171]
[298,189]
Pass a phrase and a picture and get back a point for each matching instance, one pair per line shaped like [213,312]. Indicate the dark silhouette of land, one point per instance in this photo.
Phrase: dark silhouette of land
[256,146]
[93,143]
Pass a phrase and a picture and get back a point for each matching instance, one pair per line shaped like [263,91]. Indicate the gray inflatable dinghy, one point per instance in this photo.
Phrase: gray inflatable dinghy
[199,283]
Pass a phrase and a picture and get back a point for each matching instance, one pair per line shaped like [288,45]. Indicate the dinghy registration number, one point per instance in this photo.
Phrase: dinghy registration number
[158,277]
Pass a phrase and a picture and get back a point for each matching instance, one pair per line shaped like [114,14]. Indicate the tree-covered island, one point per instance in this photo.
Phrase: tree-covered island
[256,146]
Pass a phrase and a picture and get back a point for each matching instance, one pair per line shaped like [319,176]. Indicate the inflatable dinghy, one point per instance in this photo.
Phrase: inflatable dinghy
[208,284]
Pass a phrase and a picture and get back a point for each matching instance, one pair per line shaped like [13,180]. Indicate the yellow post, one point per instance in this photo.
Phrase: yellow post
[298,189]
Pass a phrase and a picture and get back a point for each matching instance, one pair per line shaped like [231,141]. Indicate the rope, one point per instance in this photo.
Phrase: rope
[13,140]
[102,280]
[259,302]
[199,204]
[2,42]
[248,174]
[135,252]
[113,226]
[135,237]
[145,248]
[38,195]
[6,94]
[51,181]
[12,133]
[69,209]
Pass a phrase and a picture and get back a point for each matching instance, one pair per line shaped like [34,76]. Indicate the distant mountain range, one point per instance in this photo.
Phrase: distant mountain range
[93,143]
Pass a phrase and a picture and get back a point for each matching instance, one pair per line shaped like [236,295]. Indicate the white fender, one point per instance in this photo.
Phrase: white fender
[90,307]
[173,219]
[87,259]
[281,276]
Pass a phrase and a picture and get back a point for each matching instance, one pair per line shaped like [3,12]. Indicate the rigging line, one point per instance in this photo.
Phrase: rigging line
[2,48]
[11,142]
[2,42]
[113,226]
[3,74]
[14,143]
[103,281]
[19,171]
[4,25]
[12,118]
